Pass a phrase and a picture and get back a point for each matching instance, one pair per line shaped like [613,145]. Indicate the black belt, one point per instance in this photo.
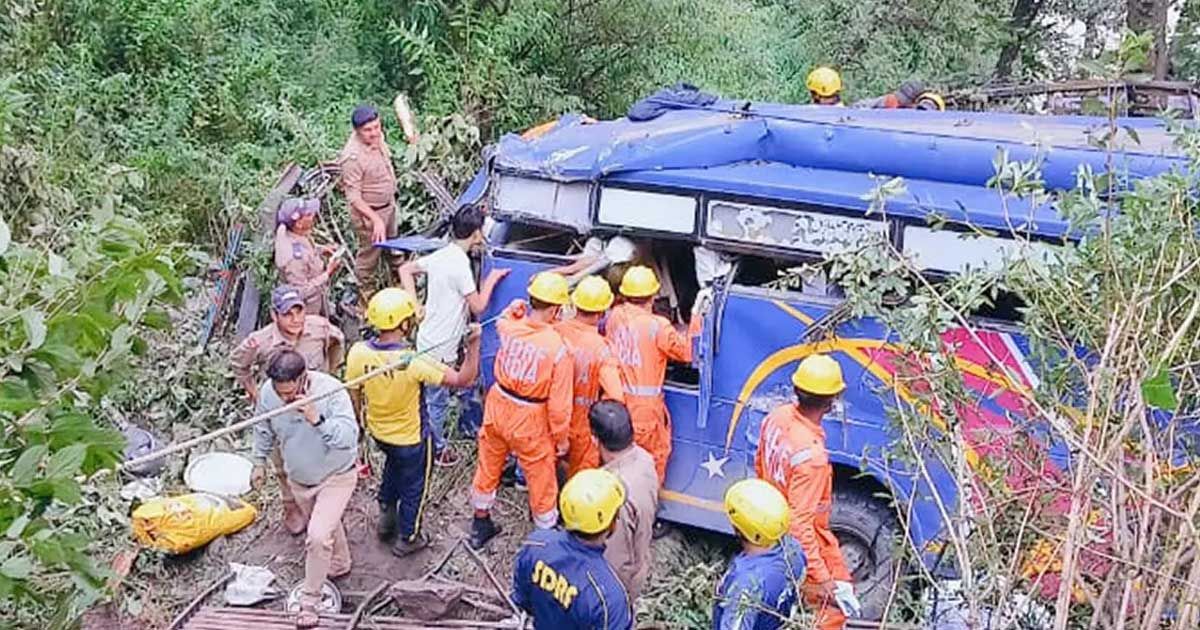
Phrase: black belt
[524,399]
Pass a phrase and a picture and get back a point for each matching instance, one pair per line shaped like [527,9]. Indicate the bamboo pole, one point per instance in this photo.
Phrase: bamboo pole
[248,422]
[400,363]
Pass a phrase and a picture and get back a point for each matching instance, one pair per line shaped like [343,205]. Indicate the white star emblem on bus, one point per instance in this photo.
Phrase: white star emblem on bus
[714,466]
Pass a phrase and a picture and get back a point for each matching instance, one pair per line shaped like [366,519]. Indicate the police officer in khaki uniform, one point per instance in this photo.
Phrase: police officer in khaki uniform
[316,339]
[300,261]
[369,183]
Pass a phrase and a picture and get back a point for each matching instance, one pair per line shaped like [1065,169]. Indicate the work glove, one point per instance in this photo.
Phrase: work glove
[843,594]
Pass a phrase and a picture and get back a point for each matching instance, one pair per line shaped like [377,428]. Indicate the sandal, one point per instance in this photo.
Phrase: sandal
[307,617]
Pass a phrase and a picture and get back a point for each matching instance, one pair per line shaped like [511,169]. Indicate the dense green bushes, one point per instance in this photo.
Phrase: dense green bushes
[204,98]
[208,98]
[128,126]
[80,280]
[130,129]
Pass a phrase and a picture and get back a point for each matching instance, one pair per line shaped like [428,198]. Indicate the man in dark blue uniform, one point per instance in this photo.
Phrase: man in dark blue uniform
[759,590]
[561,577]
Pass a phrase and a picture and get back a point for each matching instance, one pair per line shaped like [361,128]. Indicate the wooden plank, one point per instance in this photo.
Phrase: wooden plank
[235,618]
[231,612]
[278,620]
[248,308]
[221,620]
[228,623]
[256,615]
[286,623]
[232,623]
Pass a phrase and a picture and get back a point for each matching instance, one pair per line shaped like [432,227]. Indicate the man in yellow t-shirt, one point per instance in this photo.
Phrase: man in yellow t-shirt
[392,413]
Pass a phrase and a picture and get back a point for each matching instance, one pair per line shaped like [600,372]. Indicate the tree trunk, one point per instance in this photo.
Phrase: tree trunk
[1151,15]
[1023,15]
[1162,51]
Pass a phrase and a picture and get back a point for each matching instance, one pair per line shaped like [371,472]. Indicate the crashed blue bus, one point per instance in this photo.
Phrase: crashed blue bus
[763,188]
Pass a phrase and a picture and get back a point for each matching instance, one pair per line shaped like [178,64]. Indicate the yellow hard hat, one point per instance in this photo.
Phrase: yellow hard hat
[819,374]
[389,308]
[758,511]
[593,295]
[639,282]
[824,81]
[933,98]
[550,288]
[590,500]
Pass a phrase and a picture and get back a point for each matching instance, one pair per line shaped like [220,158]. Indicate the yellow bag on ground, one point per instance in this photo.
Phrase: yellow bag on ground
[181,524]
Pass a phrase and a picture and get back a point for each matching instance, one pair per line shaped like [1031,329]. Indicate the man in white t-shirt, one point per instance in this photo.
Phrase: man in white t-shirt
[451,298]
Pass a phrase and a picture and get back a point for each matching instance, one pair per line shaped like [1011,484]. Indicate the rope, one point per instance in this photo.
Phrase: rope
[400,363]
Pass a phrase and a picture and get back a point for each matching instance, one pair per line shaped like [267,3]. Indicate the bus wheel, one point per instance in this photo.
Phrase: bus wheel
[867,531]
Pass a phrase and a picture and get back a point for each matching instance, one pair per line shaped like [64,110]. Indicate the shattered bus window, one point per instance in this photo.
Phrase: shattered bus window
[543,240]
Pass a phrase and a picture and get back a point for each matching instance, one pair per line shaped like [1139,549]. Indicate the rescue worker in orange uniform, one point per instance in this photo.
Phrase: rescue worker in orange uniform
[596,372]
[644,342]
[528,409]
[910,95]
[792,457]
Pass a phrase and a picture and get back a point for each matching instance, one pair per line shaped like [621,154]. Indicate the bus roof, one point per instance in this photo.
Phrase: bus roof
[829,155]
[955,147]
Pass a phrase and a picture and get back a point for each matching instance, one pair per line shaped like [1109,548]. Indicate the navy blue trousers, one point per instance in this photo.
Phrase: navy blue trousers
[405,475]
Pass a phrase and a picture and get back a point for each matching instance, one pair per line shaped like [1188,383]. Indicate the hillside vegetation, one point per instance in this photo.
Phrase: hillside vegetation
[134,132]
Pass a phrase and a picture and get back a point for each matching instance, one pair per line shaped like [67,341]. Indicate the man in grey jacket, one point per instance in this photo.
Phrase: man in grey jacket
[628,548]
[319,444]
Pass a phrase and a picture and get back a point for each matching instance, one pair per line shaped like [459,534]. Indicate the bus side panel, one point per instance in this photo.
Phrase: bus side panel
[697,473]
[762,337]
[713,450]
[690,496]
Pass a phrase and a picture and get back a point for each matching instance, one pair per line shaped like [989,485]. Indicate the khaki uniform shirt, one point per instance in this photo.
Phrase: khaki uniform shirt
[321,344]
[628,549]
[300,265]
[368,172]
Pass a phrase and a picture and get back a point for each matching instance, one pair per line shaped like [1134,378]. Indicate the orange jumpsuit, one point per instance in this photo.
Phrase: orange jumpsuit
[527,412]
[644,342]
[792,457]
[596,373]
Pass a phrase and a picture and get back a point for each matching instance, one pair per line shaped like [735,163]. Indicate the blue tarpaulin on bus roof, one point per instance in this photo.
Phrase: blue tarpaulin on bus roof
[919,199]
[948,147]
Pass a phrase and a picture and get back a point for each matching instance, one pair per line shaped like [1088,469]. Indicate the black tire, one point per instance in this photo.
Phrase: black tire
[867,531]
